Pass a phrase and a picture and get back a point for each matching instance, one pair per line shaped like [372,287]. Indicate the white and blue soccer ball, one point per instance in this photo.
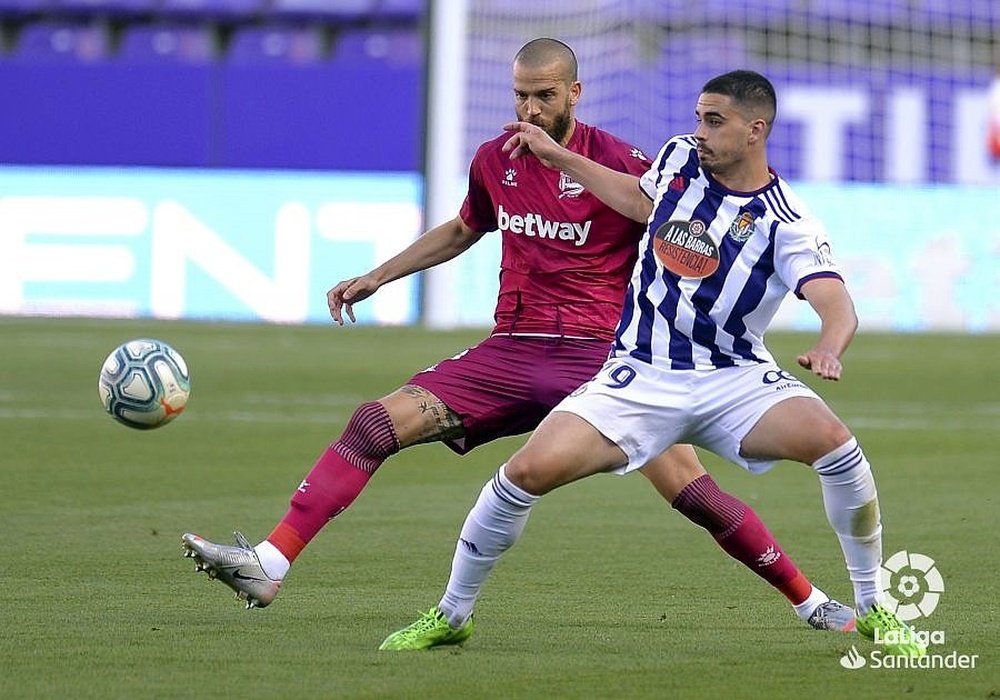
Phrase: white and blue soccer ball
[144,384]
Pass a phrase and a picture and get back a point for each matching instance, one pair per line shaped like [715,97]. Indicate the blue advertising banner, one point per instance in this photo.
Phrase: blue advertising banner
[201,244]
[916,258]
[266,246]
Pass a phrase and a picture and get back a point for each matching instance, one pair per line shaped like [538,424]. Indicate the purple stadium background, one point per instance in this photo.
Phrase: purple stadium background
[338,84]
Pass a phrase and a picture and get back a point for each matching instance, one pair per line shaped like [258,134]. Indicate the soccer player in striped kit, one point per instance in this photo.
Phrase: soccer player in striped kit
[725,240]
[565,266]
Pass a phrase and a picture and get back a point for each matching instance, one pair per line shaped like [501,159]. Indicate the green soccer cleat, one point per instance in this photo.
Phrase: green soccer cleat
[430,630]
[894,635]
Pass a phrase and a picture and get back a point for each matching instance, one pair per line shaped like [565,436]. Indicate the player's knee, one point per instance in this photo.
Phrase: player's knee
[369,437]
[833,435]
[705,504]
[530,474]
[671,472]
[683,462]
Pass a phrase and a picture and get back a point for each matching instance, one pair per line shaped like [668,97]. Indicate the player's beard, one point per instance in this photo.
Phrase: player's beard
[559,127]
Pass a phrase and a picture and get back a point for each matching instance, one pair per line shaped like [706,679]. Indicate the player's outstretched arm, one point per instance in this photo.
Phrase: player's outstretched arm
[618,190]
[438,245]
[835,308]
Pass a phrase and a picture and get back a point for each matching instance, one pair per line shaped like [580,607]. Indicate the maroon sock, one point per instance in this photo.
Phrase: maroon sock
[738,530]
[338,476]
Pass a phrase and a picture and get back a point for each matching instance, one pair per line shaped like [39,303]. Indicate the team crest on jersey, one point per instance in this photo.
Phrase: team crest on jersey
[510,178]
[742,227]
[685,248]
[568,187]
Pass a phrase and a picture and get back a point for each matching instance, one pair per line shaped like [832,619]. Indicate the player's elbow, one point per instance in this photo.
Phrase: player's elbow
[850,316]
[639,216]
[842,324]
[642,208]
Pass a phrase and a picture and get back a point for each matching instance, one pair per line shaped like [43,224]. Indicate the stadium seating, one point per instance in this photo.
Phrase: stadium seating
[63,42]
[407,10]
[390,47]
[115,8]
[715,50]
[882,13]
[235,10]
[275,44]
[254,83]
[682,13]
[19,8]
[349,110]
[985,14]
[191,44]
[341,10]
[904,13]
[108,112]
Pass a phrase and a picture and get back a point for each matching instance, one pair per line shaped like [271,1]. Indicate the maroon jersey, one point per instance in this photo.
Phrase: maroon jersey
[566,256]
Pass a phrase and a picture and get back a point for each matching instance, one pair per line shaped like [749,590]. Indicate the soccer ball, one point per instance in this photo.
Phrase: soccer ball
[144,384]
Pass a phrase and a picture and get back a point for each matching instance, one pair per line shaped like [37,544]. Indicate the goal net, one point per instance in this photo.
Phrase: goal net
[887,91]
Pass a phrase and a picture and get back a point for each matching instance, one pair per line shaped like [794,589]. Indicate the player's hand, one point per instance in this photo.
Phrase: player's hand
[823,363]
[346,294]
[528,138]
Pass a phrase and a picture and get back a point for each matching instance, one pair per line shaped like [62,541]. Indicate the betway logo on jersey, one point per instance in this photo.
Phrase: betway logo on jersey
[533,225]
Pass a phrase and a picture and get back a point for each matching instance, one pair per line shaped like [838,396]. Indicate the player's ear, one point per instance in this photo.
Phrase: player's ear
[758,131]
[575,89]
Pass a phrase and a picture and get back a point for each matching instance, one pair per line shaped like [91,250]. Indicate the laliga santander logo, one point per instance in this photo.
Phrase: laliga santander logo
[911,585]
[852,659]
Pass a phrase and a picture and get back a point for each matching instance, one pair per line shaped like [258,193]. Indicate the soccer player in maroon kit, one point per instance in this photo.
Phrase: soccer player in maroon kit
[565,265]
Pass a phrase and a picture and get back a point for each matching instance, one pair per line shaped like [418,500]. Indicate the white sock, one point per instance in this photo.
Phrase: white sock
[272,561]
[851,503]
[807,607]
[493,525]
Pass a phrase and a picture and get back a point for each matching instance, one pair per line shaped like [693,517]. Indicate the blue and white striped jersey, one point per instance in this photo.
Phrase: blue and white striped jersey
[714,266]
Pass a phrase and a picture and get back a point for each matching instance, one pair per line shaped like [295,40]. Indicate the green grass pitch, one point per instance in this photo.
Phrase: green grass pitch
[610,594]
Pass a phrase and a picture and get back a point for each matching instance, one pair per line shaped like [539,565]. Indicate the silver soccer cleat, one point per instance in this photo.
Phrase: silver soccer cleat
[834,616]
[238,567]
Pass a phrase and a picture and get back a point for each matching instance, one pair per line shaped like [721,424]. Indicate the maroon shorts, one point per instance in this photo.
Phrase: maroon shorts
[506,385]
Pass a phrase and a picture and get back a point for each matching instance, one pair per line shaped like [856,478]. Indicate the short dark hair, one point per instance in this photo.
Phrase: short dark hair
[543,51]
[748,89]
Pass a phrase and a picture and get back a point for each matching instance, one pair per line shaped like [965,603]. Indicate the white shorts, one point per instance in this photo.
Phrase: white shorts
[645,409]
